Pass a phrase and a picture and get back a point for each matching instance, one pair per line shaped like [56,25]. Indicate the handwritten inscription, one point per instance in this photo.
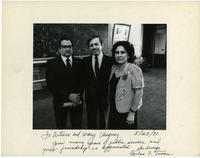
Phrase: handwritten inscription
[82,142]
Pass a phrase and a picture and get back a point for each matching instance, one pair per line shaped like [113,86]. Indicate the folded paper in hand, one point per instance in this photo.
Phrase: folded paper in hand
[69,104]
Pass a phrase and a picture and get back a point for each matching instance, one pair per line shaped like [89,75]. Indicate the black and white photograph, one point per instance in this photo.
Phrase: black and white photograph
[82,80]
[100,79]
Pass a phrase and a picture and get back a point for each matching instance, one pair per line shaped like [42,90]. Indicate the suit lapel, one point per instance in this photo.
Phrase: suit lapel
[103,63]
[61,64]
[75,60]
[91,68]
[60,61]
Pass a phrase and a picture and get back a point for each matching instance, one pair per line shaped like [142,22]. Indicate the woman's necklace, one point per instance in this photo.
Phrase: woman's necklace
[120,70]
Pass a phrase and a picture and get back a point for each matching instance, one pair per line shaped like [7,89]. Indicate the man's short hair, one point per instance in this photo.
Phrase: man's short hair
[64,38]
[93,37]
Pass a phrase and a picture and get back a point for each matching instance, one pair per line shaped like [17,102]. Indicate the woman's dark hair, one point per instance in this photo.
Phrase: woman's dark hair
[129,49]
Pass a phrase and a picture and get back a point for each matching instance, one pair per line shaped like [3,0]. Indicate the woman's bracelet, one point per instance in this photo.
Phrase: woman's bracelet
[132,111]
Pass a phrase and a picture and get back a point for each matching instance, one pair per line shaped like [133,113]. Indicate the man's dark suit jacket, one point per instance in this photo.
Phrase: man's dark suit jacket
[96,90]
[60,81]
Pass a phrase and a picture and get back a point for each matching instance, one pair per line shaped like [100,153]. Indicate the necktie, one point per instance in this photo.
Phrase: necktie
[69,67]
[96,66]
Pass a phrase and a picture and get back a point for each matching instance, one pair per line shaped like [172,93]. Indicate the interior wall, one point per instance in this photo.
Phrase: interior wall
[160,41]
[110,33]
[135,37]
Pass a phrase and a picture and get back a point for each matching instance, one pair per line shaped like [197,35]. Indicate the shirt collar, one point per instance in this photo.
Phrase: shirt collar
[65,58]
[100,56]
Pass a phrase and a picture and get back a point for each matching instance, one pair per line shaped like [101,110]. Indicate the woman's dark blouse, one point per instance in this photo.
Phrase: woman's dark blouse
[117,120]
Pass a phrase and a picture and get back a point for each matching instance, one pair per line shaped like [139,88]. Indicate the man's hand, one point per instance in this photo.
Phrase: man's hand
[75,98]
[75,104]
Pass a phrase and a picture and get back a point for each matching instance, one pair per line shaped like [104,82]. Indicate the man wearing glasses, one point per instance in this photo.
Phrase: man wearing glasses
[62,76]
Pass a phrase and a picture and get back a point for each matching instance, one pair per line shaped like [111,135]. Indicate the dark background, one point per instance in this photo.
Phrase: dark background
[46,37]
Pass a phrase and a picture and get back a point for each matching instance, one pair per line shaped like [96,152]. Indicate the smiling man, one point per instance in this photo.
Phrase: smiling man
[95,76]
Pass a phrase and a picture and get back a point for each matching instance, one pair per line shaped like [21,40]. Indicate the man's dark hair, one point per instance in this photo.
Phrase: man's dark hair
[64,38]
[93,37]
[129,49]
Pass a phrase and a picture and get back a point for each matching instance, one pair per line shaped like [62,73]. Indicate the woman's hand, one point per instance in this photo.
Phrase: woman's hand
[130,118]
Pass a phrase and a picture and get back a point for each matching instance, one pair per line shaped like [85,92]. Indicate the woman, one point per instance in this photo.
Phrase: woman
[125,88]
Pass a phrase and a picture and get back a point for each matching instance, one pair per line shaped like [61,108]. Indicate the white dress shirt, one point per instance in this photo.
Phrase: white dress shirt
[65,60]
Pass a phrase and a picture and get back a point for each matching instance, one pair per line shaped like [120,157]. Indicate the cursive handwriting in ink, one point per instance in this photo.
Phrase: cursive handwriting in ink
[88,134]
[108,147]
[57,143]
[140,148]
[160,152]
[155,141]
[74,147]
[152,148]
[137,153]
[63,142]
[46,135]
[51,149]
[136,142]
[108,135]
[77,134]
[60,134]
[117,143]
[91,143]
[76,142]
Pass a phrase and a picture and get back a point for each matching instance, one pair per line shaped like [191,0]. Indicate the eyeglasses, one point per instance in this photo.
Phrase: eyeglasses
[69,46]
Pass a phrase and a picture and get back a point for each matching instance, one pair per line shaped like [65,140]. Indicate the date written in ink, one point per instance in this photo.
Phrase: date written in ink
[147,134]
